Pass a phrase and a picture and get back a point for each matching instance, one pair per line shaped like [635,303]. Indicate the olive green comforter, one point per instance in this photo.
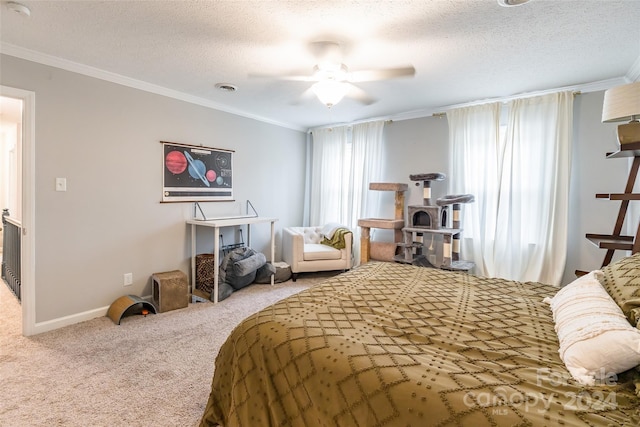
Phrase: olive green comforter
[395,345]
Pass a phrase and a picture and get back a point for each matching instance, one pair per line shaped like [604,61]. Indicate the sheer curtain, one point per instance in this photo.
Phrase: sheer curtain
[344,161]
[329,169]
[366,167]
[474,141]
[517,228]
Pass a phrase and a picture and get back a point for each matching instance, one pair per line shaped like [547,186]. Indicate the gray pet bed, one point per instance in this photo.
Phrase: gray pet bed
[281,270]
[238,269]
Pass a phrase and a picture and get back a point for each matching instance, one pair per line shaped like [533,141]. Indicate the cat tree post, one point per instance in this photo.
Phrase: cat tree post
[453,245]
[456,238]
[365,242]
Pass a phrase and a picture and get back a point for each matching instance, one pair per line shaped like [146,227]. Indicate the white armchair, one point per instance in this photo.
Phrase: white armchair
[302,250]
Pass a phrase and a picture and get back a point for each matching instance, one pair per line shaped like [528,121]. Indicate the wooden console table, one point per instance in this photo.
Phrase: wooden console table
[217,224]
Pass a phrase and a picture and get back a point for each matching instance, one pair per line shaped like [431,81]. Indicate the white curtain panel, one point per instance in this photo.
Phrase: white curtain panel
[520,178]
[475,155]
[328,175]
[366,167]
[345,160]
[534,190]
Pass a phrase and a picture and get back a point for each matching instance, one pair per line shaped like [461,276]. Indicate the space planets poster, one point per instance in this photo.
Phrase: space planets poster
[196,174]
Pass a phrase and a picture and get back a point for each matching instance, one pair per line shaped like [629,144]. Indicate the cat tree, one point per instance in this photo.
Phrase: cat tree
[434,220]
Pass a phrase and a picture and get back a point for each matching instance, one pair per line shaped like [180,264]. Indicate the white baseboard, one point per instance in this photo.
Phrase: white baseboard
[61,322]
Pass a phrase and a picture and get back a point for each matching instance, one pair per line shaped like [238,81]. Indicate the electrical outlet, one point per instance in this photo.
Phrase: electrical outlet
[128,279]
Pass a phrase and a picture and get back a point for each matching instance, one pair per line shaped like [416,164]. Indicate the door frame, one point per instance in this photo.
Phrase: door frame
[27,253]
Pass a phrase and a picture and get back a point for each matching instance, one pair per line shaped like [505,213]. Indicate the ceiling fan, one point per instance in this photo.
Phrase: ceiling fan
[333,79]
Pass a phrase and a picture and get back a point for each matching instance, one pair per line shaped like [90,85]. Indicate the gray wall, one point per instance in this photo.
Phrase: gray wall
[104,138]
[592,173]
[412,147]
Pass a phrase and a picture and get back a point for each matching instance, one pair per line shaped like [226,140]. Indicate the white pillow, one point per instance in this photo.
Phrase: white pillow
[596,340]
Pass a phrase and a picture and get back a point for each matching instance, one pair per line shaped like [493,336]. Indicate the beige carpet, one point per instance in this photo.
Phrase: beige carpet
[148,371]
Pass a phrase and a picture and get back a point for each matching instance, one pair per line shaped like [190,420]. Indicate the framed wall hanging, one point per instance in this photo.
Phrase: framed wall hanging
[193,173]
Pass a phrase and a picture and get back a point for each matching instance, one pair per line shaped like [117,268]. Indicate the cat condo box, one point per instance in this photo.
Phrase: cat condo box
[170,290]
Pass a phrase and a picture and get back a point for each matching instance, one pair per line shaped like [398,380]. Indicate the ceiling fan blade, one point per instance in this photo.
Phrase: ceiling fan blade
[381,74]
[301,77]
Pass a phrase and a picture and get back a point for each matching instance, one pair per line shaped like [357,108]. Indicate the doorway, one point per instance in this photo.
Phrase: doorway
[11,190]
[17,190]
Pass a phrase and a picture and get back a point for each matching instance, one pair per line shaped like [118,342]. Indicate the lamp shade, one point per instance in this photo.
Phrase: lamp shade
[330,91]
[621,103]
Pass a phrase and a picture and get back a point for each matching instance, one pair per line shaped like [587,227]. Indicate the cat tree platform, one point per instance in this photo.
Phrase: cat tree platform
[389,224]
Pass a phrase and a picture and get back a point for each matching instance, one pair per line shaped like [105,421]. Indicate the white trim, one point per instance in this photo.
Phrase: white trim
[28,246]
[53,61]
[582,88]
[633,75]
[72,319]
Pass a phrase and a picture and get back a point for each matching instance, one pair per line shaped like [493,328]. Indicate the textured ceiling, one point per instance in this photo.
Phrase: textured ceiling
[462,50]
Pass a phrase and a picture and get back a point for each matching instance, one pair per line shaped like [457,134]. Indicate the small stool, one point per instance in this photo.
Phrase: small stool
[170,290]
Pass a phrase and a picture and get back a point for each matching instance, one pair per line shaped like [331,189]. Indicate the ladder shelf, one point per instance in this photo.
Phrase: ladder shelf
[616,241]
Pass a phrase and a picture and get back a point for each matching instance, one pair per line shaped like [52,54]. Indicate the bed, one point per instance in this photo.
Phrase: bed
[389,344]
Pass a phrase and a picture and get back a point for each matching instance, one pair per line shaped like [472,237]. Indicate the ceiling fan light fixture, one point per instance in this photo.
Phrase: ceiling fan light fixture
[330,92]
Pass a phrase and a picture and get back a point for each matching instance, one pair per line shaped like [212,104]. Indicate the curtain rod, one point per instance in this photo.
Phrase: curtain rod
[349,125]
[442,113]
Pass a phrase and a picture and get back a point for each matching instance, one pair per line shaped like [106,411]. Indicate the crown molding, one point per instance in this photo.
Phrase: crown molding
[578,88]
[633,75]
[75,67]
